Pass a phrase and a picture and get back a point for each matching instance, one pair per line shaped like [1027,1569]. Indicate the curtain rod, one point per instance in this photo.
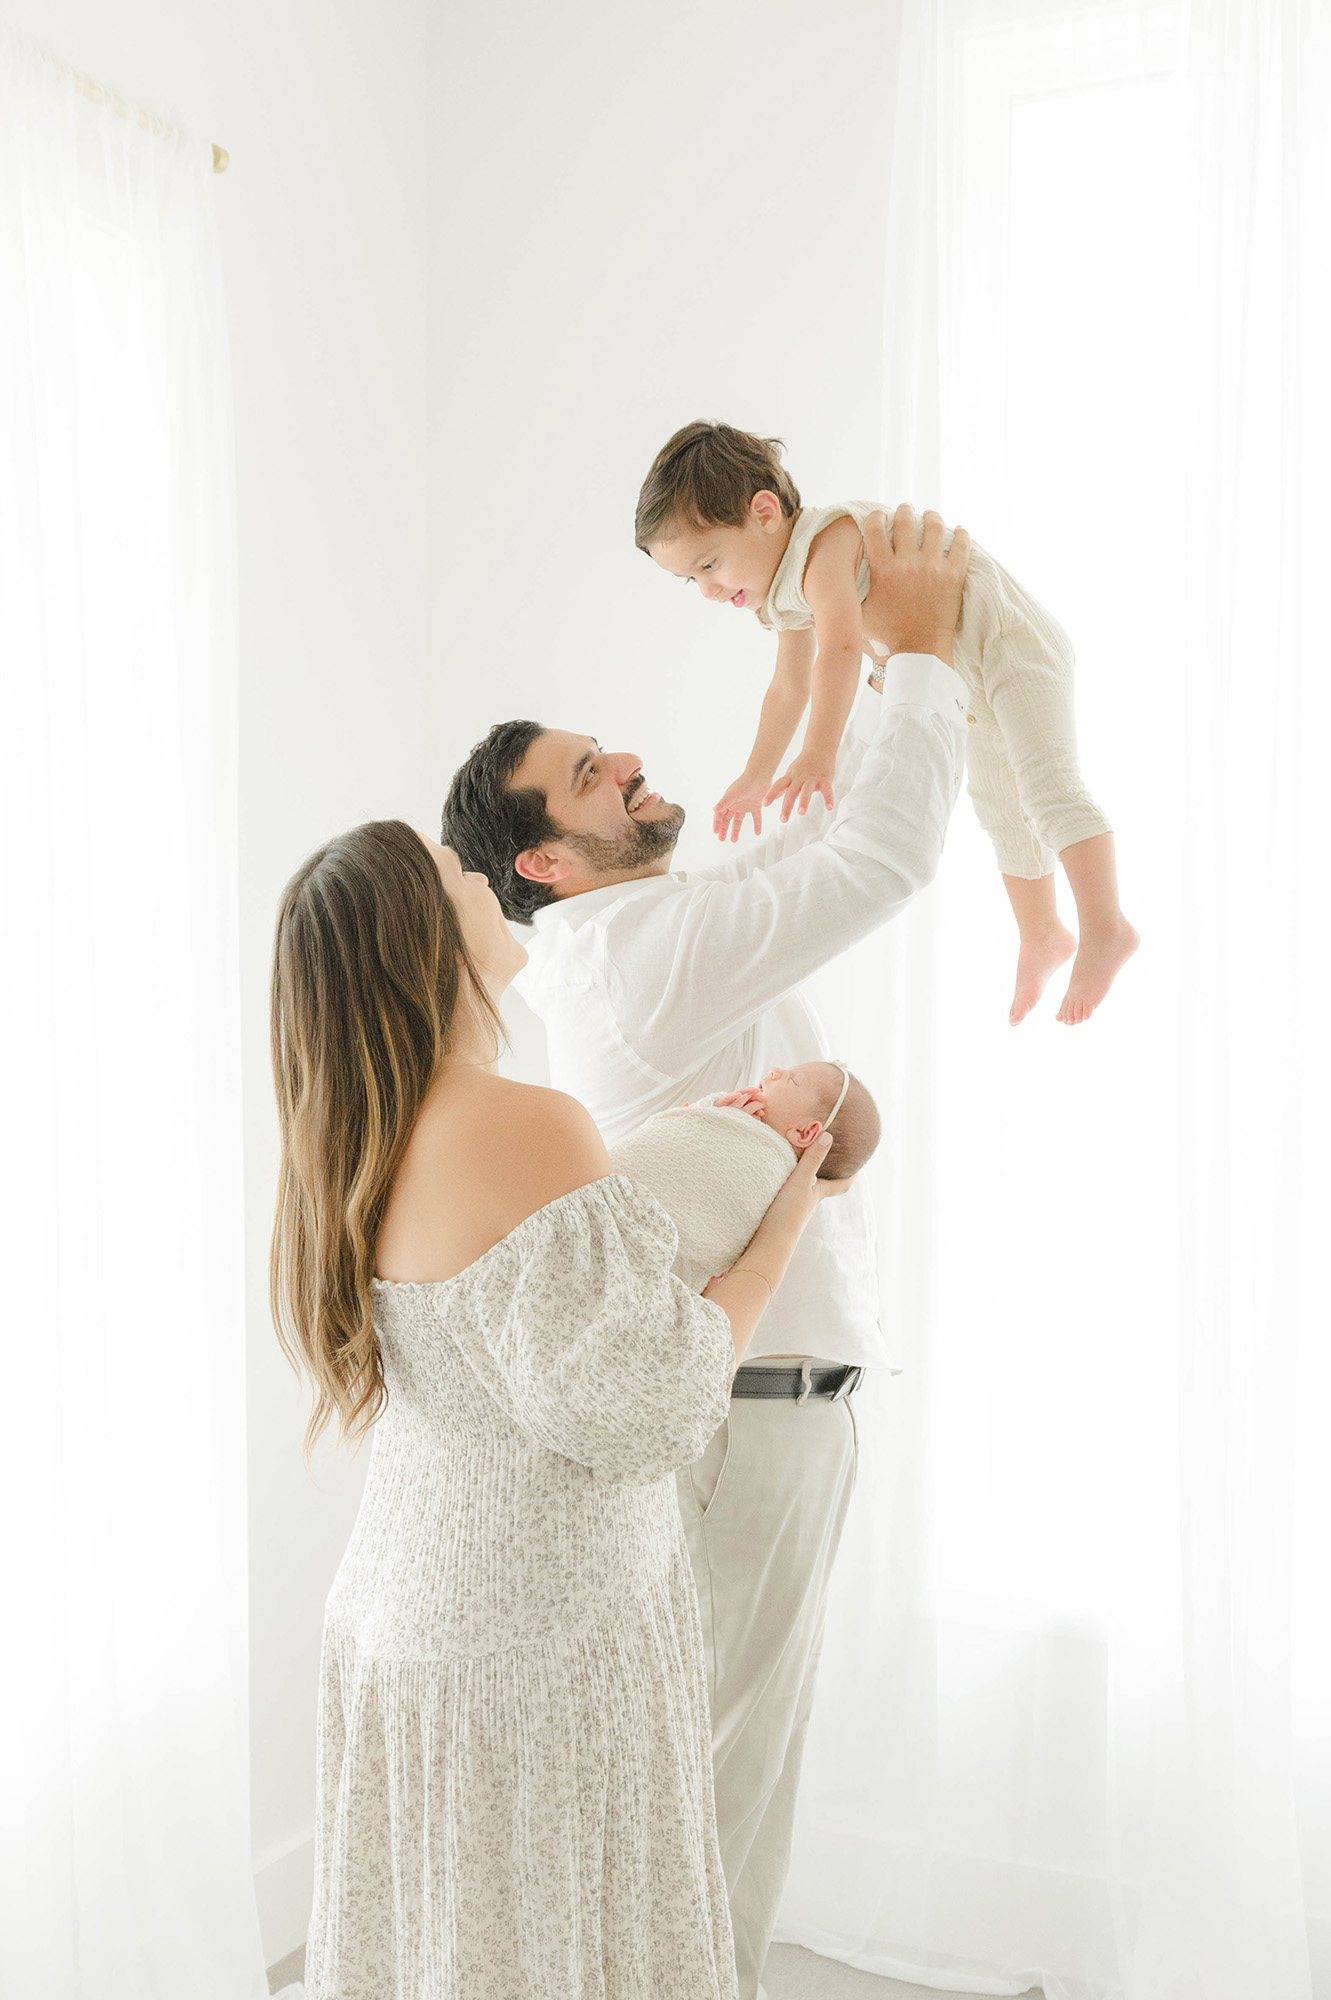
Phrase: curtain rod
[97,93]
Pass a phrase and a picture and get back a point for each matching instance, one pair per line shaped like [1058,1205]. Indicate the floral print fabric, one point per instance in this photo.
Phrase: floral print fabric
[515,1784]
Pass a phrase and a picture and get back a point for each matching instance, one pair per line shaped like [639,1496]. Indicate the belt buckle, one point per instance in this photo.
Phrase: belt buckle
[806,1383]
[851,1380]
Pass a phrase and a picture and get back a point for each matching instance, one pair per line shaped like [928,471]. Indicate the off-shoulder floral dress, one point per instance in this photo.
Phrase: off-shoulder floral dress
[515,1776]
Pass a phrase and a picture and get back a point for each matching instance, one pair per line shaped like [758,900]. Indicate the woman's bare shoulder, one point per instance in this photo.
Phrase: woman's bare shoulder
[506,1128]
[486,1153]
[516,1116]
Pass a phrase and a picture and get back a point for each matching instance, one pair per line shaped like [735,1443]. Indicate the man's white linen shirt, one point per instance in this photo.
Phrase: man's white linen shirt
[662,990]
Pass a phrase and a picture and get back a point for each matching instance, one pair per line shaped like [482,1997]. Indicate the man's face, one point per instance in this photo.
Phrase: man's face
[611,823]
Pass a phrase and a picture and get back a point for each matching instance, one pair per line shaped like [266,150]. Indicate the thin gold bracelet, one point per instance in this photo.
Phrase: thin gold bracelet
[735,1270]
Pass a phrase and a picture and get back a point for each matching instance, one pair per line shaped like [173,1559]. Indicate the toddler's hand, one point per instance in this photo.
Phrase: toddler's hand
[735,804]
[810,774]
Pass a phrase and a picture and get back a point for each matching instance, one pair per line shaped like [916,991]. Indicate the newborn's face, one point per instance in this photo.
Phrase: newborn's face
[792,1101]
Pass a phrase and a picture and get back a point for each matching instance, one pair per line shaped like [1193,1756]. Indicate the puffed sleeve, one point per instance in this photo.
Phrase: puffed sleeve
[584,1335]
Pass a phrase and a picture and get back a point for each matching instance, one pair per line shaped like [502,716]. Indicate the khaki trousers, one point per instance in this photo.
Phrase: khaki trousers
[763,1511]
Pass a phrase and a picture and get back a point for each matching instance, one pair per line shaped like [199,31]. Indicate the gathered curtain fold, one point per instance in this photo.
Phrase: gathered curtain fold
[124,1816]
[1073,1726]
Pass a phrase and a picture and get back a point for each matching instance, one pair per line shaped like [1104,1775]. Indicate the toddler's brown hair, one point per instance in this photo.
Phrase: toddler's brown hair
[705,476]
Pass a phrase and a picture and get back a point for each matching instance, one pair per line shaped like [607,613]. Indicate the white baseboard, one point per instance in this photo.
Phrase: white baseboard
[283,1886]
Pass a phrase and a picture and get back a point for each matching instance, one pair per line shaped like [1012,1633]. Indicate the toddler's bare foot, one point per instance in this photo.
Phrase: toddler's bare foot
[1100,953]
[1041,954]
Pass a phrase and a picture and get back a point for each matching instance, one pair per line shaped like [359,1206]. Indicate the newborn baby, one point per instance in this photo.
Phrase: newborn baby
[715,1166]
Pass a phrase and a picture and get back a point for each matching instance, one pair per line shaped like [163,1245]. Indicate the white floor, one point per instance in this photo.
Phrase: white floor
[791,1973]
[287,1971]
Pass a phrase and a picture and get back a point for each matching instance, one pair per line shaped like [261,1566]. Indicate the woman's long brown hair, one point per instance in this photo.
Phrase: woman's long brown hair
[370,972]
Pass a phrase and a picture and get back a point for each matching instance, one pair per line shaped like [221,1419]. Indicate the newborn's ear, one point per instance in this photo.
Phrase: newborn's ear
[801,1136]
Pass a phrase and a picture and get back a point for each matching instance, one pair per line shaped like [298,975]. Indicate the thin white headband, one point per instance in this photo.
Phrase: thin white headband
[837,1063]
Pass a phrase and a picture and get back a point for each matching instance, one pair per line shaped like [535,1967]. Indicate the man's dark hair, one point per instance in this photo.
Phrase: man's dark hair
[488,822]
[705,476]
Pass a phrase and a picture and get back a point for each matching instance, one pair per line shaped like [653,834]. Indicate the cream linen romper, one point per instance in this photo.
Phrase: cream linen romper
[1016,661]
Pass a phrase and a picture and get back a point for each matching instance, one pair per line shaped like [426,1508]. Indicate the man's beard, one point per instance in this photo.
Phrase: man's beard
[639,841]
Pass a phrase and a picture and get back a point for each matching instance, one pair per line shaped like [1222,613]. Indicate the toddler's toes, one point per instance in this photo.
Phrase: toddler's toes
[1099,958]
[1037,960]
[1023,999]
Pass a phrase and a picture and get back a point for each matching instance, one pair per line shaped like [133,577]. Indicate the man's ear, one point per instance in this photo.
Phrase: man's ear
[766,510]
[535,865]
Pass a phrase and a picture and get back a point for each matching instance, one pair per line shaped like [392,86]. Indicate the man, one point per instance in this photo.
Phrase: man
[657,987]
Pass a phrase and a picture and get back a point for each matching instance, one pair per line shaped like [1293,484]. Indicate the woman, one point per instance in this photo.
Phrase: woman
[515,1796]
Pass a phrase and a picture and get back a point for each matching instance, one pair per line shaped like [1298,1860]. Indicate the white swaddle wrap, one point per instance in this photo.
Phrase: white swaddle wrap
[715,1172]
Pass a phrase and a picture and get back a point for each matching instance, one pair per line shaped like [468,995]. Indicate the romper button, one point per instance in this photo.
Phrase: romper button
[970,718]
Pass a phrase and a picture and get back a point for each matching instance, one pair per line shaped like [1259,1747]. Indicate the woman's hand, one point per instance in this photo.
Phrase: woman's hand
[800,1193]
[769,1248]
[745,1290]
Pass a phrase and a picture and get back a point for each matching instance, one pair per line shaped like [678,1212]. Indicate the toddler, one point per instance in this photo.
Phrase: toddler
[715,1166]
[719,509]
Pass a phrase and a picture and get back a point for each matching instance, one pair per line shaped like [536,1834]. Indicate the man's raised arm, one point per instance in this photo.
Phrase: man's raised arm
[732,944]
[912,589]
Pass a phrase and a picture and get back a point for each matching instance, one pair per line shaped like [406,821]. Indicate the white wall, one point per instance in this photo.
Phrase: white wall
[321,104]
[638,216]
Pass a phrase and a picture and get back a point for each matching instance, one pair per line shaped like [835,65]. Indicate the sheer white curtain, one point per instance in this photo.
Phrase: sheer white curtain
[1075,1712]
[124,1826]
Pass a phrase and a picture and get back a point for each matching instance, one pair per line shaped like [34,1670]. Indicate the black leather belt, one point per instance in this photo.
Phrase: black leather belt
[798,1382]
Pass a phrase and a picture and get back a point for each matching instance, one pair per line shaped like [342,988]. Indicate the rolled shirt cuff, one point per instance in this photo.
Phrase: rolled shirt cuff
[917,679]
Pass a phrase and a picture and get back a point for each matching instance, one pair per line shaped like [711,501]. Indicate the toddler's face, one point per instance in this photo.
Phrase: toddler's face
[732,566]
[794,1102]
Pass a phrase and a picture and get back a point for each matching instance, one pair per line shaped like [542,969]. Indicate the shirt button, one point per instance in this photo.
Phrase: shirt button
[970,718]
